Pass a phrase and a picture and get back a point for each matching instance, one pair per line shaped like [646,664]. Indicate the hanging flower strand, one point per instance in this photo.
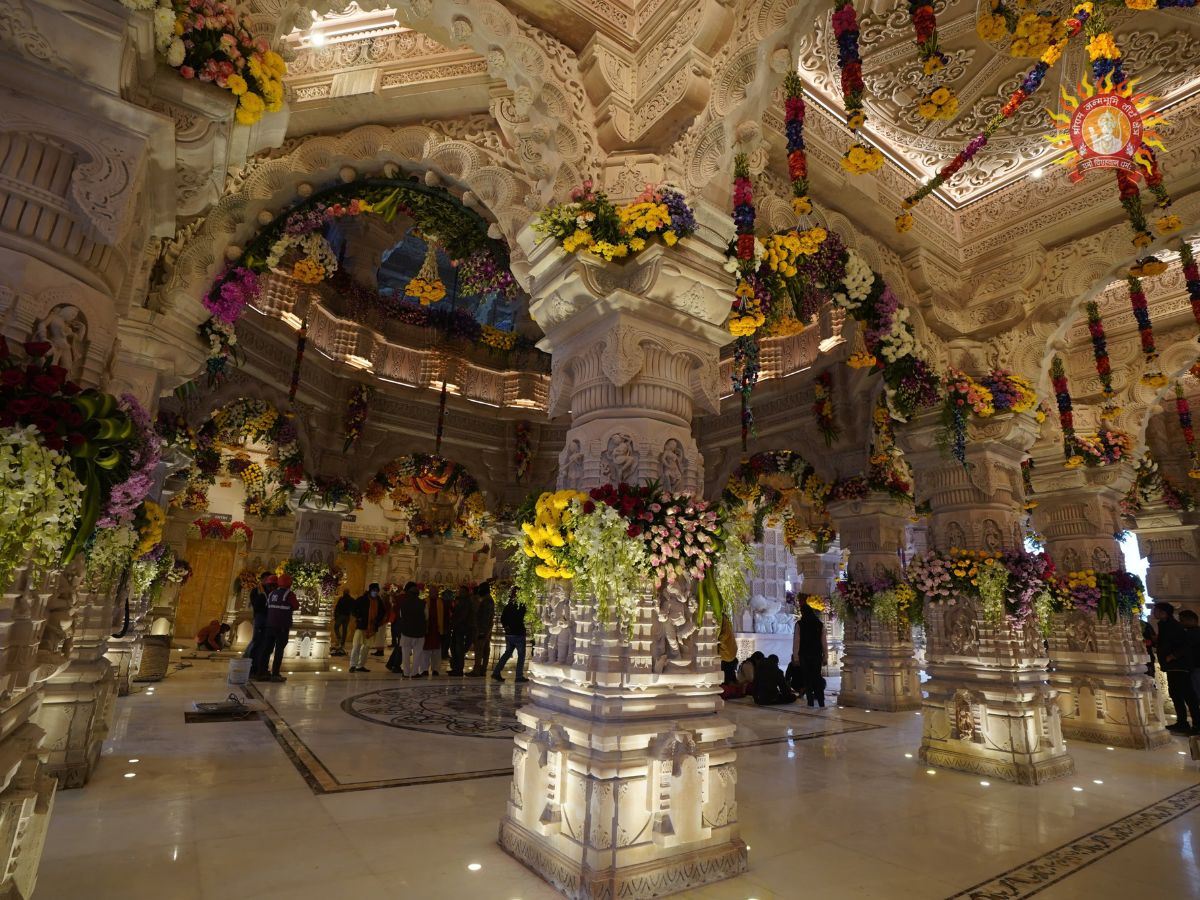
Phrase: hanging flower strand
[823,407]
[1066,418]
[301,343]
[1141,312]
[797,159]
[1191,274]
[1103,363]
[1183,409]
[939,102]
[1029,86]
[859,158]
[747,312]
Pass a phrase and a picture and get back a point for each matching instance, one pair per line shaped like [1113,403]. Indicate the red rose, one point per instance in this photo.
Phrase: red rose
[634,530]
[45,384]
[37,349]
[38,405]
[589,507]
[12,377]
[52,442]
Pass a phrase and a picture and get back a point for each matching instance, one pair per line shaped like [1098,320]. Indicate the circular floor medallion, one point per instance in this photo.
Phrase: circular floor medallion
[462,710]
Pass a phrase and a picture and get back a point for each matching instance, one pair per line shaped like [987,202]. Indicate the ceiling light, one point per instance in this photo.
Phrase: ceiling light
[135,760]
[1037,173]
[474,867]
[1097,781]
[908,756]
[1077,788]
[317,38]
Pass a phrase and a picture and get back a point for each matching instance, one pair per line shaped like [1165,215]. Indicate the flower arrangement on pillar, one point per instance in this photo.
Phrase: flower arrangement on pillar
[768,488]
[1183,410]
[886,599]
[997,392]
[1150,485]
[330,492]
[823,407]
[1113,596]
[592,223]
[324,581]
[619,541]
[1191,276]
[1014,587]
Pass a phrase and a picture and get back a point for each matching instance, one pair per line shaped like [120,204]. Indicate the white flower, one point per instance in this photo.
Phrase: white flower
[858,278]
[175,54]
[843,301]
[164,26]
[731,265]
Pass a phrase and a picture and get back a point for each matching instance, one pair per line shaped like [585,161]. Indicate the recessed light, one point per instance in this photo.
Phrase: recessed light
[1077,788]
[1110,748]
[1037,173]
[131,774]
[985,784]
[474,867]
[135,760]
[930,772]
[908,756]
[791,754]
[1097,781]
[1182,752]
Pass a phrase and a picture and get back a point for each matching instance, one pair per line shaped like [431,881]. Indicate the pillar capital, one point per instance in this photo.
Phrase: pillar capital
[1170,540]
[1078,511]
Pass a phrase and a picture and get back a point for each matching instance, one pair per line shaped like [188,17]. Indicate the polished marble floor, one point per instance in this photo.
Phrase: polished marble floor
[368,785]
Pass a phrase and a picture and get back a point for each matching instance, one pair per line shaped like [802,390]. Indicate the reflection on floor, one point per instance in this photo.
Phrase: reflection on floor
[365,783]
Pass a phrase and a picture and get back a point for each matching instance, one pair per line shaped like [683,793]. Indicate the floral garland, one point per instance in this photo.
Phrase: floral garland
[356,415]
[257,420]
[325,581]
[940,102]
[591,222]
[422,474]
[1055,45]
[1112,596]
[427,287]
[747,312]
[481,274]
[761,489]
[1066,417]
[213,529]
[1150,484]
[823,407]
[363,546]
[150,571]
[1108,446]
[793,114]
[1151,377]
[40,501]
[1014,586]
[1183,410]
[1191,275]
[221,341]
[211,41]
[859,158]
[522,450]
[301,344]
[1109,410]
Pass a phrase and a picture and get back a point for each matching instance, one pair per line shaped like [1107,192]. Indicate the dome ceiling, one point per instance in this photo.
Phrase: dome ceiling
[1160,49]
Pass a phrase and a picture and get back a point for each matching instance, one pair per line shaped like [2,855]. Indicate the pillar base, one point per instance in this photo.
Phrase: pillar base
[879,669]
[657,878]
[1104,693]
[990,710]
[25,807]
[76,712]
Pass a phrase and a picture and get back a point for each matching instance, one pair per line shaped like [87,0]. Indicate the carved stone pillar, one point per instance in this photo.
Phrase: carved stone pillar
[818,575]
[990,708]
[879,670]
[316,541]
[623,781]
[1170,540]
[1097,667]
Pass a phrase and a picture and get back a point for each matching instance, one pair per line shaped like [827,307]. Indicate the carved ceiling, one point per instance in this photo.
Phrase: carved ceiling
[1160,51]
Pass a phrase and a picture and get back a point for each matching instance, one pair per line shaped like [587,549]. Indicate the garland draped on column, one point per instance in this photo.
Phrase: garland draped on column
[1141,312]
[1066,418]
[1103,365]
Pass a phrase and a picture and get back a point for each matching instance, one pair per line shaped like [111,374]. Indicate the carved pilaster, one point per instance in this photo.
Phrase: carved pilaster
[1078,511]
[1170,540]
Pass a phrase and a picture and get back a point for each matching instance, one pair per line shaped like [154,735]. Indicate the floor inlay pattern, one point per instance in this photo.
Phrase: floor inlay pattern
[1037,874]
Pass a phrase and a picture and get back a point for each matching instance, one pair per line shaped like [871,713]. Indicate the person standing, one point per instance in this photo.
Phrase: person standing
[412,631]
[383,608]
[258,606]
[435,627]
[513,620]
[727,647]
[281,605]
[366,623]
[1173,657]
[461,624]
[1191,639]
[808,653]
[342,611]
[485,618]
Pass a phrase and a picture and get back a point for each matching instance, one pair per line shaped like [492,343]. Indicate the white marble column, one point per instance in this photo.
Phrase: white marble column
[818,575]
[1170,541]
[1098,667]
[623,782]
[316,541]
[879,669]
[990,707]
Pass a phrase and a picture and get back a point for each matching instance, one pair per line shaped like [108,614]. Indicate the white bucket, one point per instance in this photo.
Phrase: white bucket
[239,670]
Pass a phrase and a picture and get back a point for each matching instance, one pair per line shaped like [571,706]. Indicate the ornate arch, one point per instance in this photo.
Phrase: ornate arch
[549,117]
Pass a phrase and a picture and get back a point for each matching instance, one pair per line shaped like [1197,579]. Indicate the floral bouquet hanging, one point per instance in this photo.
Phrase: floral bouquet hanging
[427,287]
[1014,586]
[1107,447]
[482,274]
[307,257]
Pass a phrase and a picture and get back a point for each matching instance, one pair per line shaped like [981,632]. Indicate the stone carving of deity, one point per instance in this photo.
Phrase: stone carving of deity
[620,459]
[671,465]
[1081,633]
[573,463]
[559,634]
[962,636]
[677,616]
[64,328]
[964,719]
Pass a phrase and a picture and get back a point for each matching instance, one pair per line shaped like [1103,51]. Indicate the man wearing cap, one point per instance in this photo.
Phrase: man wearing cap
[1175,660]
[281,604]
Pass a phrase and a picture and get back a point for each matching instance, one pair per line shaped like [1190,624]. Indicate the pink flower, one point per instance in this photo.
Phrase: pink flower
[187,71]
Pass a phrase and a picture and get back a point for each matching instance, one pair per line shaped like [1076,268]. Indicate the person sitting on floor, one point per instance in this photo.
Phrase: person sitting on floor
[770,687]
[212,636]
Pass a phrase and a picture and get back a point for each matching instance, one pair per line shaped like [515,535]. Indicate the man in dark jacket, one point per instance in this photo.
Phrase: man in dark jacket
[342,611]
[513,620]
[1191,640]
[258,605]
[461,624]
[281,604]
[485,616]
[1173,656]
[412,631]
[368,616]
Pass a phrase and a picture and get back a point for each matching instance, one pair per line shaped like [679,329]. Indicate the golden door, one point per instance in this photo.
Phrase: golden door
[206,593]
[355,567]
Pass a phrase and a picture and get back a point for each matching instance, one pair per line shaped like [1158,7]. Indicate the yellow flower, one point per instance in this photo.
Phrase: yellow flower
[1141,4]
[236,84]
[801,206]
[250,108]
[991,28]
[904,222]
[1073,462]
[856,119]
[308,271]
[1154,379]
[1053,53]
[861,360]
[861,159]
[637,243]
[933,64]
[1167,224]
[940,96]
[1142,239]
[274,64]
[669,238]
[1102,46]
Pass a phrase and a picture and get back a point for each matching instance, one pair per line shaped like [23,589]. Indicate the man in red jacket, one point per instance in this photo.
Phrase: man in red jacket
[281,604]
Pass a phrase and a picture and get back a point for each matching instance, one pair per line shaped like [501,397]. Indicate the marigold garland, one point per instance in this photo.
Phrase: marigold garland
[793,108]
[1103,363]
[427,286]
[823,407]
[1141,312]
[845,30]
